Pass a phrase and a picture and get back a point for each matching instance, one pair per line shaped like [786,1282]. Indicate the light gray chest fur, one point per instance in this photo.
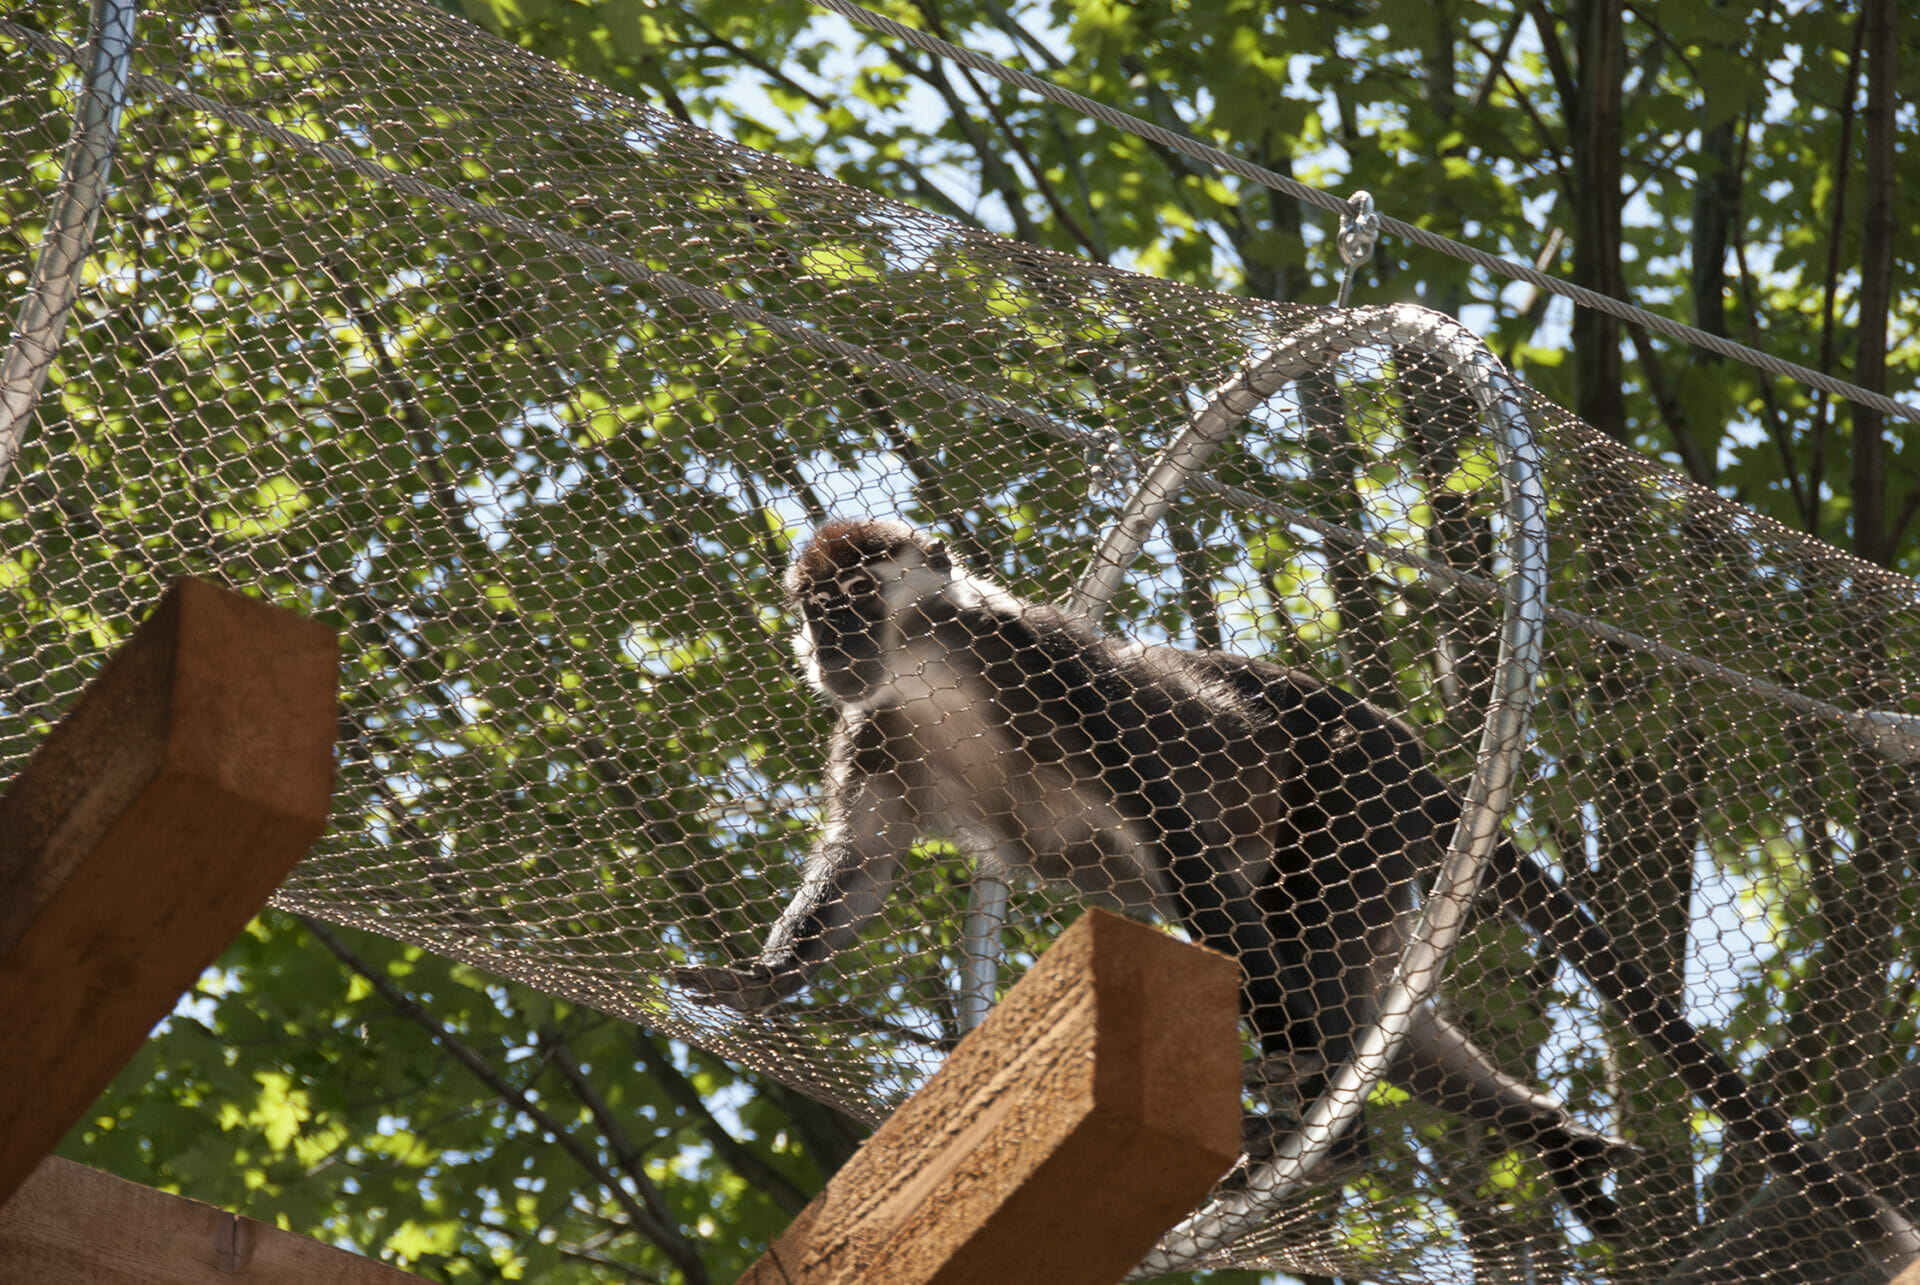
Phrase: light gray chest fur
[984,791]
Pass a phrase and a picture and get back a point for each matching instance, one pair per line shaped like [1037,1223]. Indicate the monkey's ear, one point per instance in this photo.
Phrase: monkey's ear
[937,556]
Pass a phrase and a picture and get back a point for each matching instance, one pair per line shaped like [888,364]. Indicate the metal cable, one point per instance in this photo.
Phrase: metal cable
[1188,146]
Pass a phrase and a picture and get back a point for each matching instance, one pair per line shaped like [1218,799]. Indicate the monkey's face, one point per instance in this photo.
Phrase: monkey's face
[863,590]
[843,620]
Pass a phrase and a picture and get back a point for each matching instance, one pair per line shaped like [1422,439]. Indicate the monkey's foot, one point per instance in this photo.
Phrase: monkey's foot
[1579,1159]
[1284,1072]
[748,989]
[1263,1132]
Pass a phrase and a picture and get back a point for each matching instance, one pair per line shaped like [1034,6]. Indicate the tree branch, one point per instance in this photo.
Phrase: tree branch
[734,50]
[1497,60]
[1554,52]
[1700,468]
[1806,506]
[1870,530]
[994,172]
[732,1152]
[1836,234]
[631,1158]
[668,1236]
[1036,174]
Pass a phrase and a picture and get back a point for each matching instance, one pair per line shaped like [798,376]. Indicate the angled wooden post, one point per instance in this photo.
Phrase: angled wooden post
[72,1223]
[1094,1107]
[153,822]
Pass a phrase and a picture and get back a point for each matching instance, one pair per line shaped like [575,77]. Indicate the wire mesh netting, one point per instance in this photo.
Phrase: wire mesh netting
[534,393]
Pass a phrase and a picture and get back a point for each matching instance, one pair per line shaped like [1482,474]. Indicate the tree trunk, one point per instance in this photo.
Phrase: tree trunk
[1871,538]
[1595,118]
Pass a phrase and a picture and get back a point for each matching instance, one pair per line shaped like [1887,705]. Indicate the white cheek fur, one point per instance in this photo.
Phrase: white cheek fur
[973,591]
[803,651]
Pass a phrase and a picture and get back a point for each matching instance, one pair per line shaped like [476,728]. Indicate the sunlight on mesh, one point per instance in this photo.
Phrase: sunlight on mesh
[540,433]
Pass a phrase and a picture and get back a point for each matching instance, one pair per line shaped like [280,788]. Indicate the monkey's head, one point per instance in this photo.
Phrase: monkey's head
[850,586]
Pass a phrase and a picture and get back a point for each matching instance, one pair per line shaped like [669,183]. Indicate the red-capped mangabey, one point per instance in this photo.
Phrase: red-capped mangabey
[1277,818]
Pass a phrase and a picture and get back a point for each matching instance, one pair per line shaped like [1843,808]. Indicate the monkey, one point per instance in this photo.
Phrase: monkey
[1276,817]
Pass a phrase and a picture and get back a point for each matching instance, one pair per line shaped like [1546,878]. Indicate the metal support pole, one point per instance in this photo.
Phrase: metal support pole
[980,976]
[70,221]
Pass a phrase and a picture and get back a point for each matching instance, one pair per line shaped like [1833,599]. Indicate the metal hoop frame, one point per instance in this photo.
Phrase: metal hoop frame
[1443,916]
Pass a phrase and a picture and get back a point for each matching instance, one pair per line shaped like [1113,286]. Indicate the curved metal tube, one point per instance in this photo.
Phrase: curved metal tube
[1444,914]
[1309,349]
[70,219]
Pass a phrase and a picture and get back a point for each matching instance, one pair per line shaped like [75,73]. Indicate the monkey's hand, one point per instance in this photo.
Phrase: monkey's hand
[757,986]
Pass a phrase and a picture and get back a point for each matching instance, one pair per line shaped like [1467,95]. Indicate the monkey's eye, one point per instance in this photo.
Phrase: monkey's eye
[851,596]
[844,590]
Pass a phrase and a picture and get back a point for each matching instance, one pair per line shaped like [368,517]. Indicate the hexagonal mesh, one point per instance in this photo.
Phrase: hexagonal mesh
[536,408]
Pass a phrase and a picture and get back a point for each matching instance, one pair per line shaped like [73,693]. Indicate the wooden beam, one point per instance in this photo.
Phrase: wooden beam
[153,822]
[72,1223]
[1092,1109]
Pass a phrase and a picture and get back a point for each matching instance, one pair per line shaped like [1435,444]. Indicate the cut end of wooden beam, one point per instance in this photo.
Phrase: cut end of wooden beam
[153,822]
[1096,1105]
[214,685]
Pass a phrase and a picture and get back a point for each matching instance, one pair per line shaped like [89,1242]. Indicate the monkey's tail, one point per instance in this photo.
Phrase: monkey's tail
[1525,885]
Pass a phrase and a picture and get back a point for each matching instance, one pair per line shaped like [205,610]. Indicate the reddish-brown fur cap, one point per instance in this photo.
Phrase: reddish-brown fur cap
[845,543]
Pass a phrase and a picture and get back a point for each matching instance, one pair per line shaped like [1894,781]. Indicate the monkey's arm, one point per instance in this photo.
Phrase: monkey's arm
[844,885]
